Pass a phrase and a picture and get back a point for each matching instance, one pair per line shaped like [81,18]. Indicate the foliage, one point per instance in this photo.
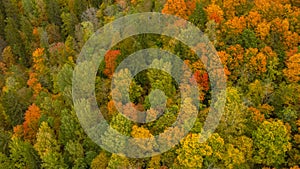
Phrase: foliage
[257,42]
[271,142]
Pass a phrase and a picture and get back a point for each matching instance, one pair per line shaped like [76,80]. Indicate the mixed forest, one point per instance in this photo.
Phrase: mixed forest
[258,42]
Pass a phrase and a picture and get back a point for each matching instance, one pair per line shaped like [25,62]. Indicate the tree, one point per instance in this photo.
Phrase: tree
[141,132]
[23,155]
[154,163]
[75,152]
[110,62]
[31,123]
[199,17]
[70,128]
[63,82]
[214,12]
[179,8]
[8,57]
[292,72]
[236,25]
[38,60]
[53,160]
[15,104]
[2,24]
[34,84]
[159,78]
[5,162]
[248,39]
[46,141]
[253,19]
[101,161]
[79,7]
[117,162]
[12,36]
[26,29]
[5,138]
[69,22]
[121,124]
[232,157]
[233,121]
[270,143]
[11,9]
[191,152]
[87,30]
[53,11]
[48,148]
[53,32]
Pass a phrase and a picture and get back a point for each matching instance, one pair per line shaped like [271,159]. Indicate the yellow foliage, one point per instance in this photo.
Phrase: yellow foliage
[262,30]
[191,153]
[236,25]
[291,39]
[214,12]
[253,19]
[140,132]
[38,60]
[260,62]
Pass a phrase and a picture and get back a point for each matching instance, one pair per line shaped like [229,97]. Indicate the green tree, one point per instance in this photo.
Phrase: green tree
[5,138]
[233,121]
[54,160]
[23,155]
[5,162]
[271,143]
[68,26]
[75,153]
[13,37]
[53,11]
[2,23]
[160,79]
[79,7]
[199,17]
[118,162]
[70,128]
[15,104]
[26,29]
[11,9]
[248,39]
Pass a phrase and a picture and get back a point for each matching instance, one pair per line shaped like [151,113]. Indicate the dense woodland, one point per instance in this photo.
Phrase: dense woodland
[258,42]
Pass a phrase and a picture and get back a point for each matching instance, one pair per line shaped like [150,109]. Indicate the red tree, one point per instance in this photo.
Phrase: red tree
[110,62]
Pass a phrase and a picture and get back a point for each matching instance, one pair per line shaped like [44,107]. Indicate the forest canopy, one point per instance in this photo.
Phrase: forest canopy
[257,41]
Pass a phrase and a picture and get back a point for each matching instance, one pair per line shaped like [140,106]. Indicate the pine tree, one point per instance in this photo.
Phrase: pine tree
[23,155]
[13,37]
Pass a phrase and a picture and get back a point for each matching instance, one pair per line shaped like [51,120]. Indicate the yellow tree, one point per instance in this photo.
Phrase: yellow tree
[236,25]
[262,30]
[38,60]
[253,19]
[214,12]
[141,132]
[191,153]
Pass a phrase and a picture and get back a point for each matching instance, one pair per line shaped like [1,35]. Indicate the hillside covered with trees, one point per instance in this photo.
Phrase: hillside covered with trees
[258,42]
